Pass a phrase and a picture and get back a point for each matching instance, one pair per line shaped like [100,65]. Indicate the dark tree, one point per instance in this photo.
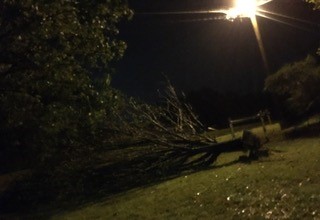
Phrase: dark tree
[315,2]
[51,55]
[298,85]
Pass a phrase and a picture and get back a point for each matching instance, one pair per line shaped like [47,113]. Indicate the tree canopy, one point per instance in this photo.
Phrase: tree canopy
[315,2]
[51,54]
[298,84]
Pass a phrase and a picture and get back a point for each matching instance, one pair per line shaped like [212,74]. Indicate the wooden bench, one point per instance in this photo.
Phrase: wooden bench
[262,115]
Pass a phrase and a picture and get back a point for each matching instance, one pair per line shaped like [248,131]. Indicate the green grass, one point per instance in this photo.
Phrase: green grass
[283,186]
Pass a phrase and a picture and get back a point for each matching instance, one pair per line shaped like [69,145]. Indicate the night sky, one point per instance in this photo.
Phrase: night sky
[196,51]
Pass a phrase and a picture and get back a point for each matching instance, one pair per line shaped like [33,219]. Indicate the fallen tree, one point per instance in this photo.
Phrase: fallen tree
[172,125]
[176,129]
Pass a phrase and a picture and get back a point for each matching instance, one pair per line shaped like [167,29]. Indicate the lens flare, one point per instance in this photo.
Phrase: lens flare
[243,8]
[249,9]
[260,43]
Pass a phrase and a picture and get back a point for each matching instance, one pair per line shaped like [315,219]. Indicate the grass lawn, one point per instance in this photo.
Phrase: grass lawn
[283,186]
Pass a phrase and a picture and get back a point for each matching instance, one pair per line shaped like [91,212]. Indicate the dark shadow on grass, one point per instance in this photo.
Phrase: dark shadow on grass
[52,194]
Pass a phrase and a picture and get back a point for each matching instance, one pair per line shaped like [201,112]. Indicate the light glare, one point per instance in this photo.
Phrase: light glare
[243,8]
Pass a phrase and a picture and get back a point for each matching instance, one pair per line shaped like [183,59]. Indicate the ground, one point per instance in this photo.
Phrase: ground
[282,186]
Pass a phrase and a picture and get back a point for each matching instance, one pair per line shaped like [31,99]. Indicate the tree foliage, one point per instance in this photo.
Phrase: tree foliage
[298,84]
[315,2]
[55,63]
